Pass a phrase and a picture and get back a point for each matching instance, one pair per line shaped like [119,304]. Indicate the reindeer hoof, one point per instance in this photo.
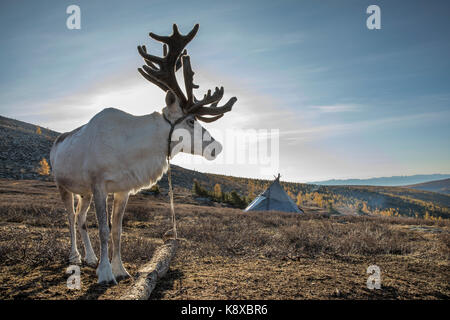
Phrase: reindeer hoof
[122,276]
[105,275]
[91,262]
[108,282]
[119,271]
[75,259]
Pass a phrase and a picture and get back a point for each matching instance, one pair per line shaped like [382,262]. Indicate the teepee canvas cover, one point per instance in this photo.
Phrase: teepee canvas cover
[273,198]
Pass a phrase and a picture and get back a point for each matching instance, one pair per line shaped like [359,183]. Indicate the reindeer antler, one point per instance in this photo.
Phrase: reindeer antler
[161,71]
[197,107]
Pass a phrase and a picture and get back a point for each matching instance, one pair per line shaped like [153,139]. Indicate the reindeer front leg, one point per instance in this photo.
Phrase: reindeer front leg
[104,272]
[120,202]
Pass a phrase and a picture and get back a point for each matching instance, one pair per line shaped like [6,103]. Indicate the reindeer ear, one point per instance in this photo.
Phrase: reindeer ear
[170,98]
[171,102]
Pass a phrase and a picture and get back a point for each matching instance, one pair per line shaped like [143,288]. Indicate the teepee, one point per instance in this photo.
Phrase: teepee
[273,198]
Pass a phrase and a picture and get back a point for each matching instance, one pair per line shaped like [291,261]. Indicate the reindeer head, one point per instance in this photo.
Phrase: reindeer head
[185,111]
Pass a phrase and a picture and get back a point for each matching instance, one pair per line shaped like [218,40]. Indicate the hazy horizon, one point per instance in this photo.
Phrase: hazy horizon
[386,181]
[349,103]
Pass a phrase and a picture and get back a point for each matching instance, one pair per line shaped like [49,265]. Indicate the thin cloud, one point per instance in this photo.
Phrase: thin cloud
[338,108]
[314,132]
[275,42]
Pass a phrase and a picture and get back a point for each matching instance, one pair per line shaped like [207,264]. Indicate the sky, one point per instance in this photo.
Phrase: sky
[341,101]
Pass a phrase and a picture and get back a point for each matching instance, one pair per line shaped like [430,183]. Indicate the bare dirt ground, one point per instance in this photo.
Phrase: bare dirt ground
[226,254]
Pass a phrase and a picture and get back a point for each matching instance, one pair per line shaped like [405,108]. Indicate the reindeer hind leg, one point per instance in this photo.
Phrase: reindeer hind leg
[82,210]
[67,198]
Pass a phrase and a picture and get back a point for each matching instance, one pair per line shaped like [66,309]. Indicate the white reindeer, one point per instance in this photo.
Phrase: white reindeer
[118,153]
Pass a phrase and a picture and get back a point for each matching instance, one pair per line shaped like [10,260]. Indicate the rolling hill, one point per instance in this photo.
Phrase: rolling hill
[441,186]
[22,147]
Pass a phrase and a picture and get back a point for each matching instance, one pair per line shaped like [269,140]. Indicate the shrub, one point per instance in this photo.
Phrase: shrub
[44,168]
[199,190]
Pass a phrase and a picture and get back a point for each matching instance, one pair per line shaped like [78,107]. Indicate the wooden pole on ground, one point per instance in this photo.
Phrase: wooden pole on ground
[151,272]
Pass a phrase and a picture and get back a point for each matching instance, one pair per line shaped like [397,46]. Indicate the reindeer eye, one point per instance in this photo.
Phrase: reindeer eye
[191,122]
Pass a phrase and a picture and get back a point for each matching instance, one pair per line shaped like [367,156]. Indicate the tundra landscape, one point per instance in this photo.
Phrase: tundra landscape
[257,154]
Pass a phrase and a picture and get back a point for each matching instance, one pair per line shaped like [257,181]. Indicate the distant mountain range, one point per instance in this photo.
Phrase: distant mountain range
[385,181]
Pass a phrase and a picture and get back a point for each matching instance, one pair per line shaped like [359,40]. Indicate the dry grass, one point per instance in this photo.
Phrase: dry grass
[226,253]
